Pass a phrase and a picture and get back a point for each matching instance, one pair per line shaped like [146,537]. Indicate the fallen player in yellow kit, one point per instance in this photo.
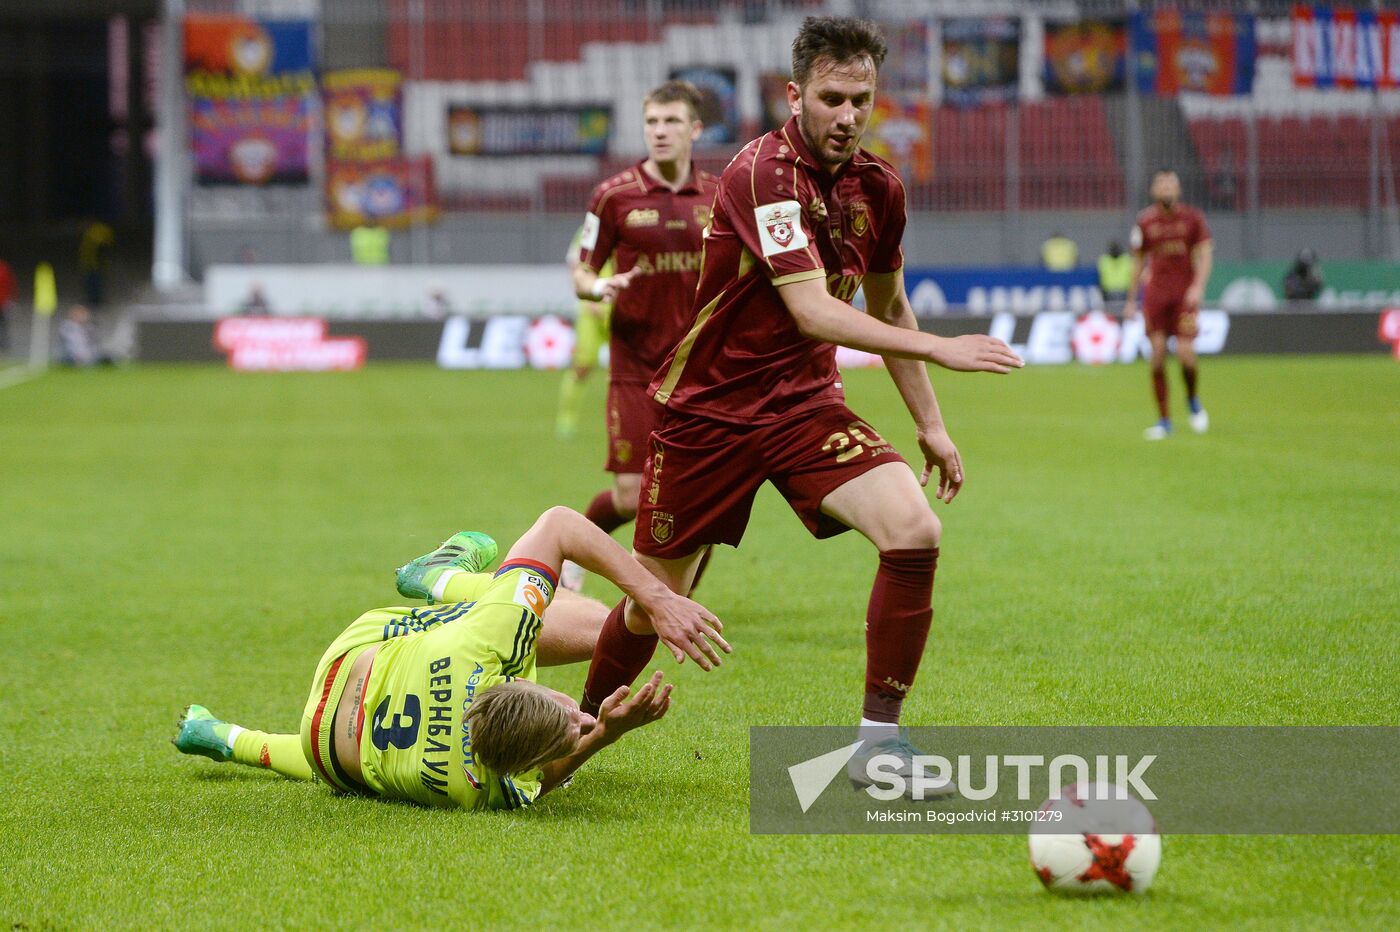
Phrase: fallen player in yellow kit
[438,705]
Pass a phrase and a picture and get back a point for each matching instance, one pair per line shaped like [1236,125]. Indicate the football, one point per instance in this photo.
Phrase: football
[1097,838]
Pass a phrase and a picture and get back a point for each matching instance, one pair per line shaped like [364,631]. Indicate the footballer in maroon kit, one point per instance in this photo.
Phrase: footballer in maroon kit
[751,393]
[1172,242]
[649,220]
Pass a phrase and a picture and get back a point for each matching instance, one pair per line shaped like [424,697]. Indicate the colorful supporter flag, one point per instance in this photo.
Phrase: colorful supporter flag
[1209,53]
[901,133]
[719,101]
[1345,48]
[251,85]
[1085,57]
[363,114]
[392,192]
[981,60]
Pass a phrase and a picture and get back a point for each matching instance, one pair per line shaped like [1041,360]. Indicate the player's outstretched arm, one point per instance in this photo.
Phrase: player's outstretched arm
[563,534]
[886,300]
[819,316]
[618,715]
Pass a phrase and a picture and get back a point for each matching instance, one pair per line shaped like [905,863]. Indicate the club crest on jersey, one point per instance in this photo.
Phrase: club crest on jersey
[779,229]
[701,212]
[860,218]
[663,525]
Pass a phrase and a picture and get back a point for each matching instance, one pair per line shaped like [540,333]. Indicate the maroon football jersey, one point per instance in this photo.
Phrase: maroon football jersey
[1165,239]
[779,217]
[643,224]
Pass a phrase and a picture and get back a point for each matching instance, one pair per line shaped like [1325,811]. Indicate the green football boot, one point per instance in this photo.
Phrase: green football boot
[203,734]
[465,552]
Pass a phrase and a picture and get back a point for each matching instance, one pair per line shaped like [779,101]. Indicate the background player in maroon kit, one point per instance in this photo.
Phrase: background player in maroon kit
[649,219]
[752,393]
[1171,240]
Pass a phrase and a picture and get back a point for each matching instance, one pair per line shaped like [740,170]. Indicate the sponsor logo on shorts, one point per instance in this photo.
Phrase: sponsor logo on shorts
[643,217]
[533,592]
[779,230]
[663,525]
[860,218]
[622,451]
[658,453]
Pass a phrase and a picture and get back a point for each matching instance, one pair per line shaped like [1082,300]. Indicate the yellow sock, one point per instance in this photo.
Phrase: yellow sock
[567,419]
[464,587]
[281,753]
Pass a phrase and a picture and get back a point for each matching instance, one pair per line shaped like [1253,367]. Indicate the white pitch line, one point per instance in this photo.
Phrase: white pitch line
[18,375]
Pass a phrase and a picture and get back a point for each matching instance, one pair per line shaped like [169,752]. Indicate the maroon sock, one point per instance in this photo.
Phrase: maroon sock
[602,512]
[896,629]
[617,659]
[1188,375]
[1159,387]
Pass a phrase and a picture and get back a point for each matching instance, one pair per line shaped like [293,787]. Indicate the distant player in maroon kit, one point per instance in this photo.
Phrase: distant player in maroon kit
[1172,242]
[649,219]
[752,393]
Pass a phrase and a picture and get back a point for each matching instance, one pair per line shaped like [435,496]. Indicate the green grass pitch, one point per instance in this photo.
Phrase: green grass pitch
[170,535]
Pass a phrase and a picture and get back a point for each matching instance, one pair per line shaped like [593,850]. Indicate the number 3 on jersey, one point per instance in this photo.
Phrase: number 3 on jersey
[402,731]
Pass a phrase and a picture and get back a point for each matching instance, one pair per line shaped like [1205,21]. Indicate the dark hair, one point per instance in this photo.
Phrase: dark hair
[837,39]
[673,91]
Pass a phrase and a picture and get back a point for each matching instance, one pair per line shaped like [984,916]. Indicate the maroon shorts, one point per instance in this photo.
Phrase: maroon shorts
[632,415]
[701,475]
[1169,316]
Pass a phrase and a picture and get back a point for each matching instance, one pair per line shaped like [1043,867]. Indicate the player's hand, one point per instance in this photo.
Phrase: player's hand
[620,714]
[975,353]
[1130,310]
[688,629]
[615,285]
[942,455]
[1192,299]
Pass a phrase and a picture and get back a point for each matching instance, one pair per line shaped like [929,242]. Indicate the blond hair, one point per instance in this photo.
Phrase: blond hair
[516,727]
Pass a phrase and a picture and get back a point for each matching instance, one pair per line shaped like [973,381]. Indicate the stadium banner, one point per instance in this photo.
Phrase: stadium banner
[363,110]
[282,344]
[901,132]
[510,131]
[367,292]
[545,341]
[991,289]
[1085,56]
[1258,286]
[1209,53]
[1067,780]
[981,60]
[251,86]
[719,101]
[1345,48]
[394,192]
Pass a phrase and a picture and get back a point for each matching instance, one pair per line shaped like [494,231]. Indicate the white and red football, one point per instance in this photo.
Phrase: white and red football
[1100,839]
